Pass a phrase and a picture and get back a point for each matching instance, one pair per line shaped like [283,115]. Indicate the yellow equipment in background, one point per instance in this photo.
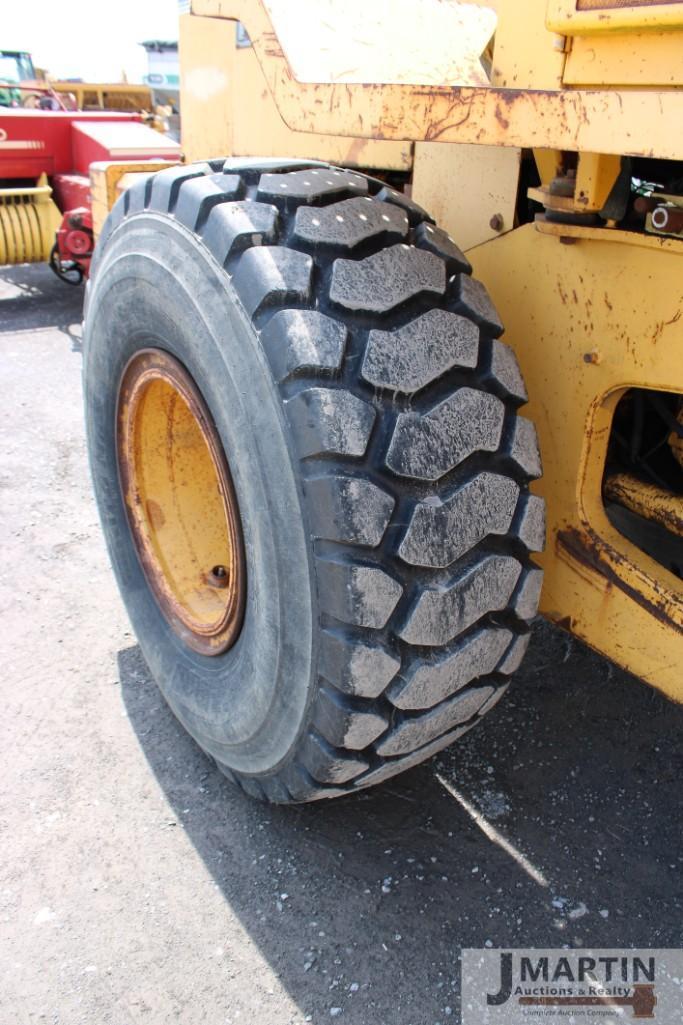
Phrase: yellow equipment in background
[120,96]
[104,96]
[562,177]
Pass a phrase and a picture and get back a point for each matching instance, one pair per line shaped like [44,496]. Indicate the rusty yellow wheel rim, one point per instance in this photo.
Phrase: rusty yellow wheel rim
[180,501]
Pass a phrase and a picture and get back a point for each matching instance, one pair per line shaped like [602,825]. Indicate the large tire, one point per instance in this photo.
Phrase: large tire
[368,414]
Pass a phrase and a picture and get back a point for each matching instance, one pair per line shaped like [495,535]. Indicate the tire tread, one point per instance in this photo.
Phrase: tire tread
[402,407]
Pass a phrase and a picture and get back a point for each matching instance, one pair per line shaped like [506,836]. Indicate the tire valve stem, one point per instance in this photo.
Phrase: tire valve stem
[218,577]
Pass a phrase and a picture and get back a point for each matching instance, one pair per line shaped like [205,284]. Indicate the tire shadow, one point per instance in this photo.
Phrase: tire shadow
[32,297]
[556,822]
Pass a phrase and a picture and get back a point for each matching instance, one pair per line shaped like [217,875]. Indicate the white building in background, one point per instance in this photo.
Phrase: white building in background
[163,70]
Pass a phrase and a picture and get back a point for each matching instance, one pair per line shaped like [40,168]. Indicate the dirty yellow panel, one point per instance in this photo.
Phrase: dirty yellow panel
[258,128]
[105,183]
[627,59]
[630,121]
[99,204]
[228,110]
[576,318]
[465,188]
[548,163]
[586,18]
[595,178]
[525,54]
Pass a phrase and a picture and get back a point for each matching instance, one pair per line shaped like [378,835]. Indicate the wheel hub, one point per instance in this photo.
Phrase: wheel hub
[180,502]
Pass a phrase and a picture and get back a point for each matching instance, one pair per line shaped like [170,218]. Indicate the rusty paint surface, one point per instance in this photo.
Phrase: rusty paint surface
[647,500]
[237,115]
[632,122]
[587,549]
[560,304]
[633,239]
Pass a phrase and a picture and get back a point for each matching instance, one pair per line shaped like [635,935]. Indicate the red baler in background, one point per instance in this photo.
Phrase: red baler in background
[46,158]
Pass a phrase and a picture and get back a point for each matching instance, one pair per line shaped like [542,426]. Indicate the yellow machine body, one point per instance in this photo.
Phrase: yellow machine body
[588,321]
[227,107]
[590,311]
[109,178]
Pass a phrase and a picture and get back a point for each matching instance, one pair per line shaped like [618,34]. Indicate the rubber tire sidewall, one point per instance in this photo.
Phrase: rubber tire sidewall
[157,286]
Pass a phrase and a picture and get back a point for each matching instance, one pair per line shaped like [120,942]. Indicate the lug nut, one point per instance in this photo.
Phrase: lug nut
[218,577]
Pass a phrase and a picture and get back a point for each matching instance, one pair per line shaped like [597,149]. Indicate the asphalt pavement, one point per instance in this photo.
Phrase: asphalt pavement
[137,887]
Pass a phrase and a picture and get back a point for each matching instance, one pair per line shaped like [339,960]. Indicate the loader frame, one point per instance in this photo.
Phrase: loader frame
[592,310]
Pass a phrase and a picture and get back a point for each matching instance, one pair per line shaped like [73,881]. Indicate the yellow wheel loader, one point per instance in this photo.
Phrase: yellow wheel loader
[416,250]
